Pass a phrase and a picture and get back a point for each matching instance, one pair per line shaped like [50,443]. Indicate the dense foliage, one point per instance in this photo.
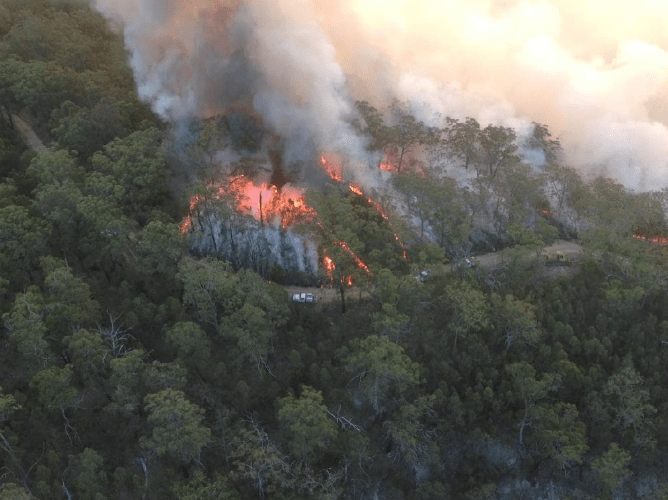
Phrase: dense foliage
[130,369]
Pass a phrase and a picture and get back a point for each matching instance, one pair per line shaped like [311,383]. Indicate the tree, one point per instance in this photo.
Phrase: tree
[463,141]
[177,426]
[437,203]
[239,305]
[158,251]
[389,321]
[523,193]
[126,373]
[336,230]
[87,130]
[23,238]
[55,390]
[562,183]
[612,468]
[12,491]
[192,346]
[308,425]
[541,140]
[104,242]
[132,377]
[406,134]
[469,307]
[498,149]
[529,391]
[27,329]
[559,433]
[258,460]
[199,487]
[58,204]
[409,434]
[137,164]
[380,365]
[373,125]
[55,167]
[253,331]
[9,405]
[70,305]
[87,475]
[40,86]
[629,403]
[88,354]
[516,320]
[202,154]
[398,139]
[210,289]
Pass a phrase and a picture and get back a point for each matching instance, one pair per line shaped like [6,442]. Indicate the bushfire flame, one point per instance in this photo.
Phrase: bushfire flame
[187,223]
[331,168]
[329,267]
[663,240]
[379,208]
[264,202]
[360,263]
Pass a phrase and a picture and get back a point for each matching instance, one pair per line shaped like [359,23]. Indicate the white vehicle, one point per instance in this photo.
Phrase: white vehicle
[469,262]
[303,298]
[423,275]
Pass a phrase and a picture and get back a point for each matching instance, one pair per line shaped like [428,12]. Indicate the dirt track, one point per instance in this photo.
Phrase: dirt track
[567,248]
[28,135]
[325,294]
[487,260]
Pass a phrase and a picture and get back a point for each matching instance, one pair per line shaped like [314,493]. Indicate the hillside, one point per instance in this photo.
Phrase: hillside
[150,349]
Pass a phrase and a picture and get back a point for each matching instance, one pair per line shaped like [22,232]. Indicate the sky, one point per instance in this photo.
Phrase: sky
[595,72]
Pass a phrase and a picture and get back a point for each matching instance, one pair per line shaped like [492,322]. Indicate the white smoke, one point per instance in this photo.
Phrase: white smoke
[594,71]
[198,58]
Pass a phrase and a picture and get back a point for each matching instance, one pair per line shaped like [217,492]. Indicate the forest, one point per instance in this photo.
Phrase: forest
[139,361]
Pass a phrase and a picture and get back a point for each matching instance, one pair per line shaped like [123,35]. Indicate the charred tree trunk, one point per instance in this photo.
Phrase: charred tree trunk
[261,217]
[401,159]
[342,291]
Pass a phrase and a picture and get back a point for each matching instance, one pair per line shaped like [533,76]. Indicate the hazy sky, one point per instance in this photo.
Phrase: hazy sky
[596,72]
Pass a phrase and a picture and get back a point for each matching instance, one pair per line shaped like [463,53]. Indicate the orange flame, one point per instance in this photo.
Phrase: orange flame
[334,171]
[187,223]
[329,267]
[360,263]
[382,213]
[663,240]
[331,168]
[264,202]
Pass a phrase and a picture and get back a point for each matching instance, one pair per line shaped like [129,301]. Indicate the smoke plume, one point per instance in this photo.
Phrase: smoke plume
[595,72]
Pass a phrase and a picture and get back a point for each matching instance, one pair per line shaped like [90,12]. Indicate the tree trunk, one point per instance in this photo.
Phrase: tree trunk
[261,218]
[342,291]
[525,421]
[401,158]
[522,426]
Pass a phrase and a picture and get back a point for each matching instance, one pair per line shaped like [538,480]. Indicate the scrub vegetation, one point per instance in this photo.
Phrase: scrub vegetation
[132,368]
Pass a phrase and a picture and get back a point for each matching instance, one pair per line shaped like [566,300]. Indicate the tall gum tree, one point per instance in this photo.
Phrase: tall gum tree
[308,426]
[380,366]
[177,425]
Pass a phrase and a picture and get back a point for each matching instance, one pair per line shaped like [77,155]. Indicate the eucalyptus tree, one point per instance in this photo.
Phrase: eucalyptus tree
[379,367]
